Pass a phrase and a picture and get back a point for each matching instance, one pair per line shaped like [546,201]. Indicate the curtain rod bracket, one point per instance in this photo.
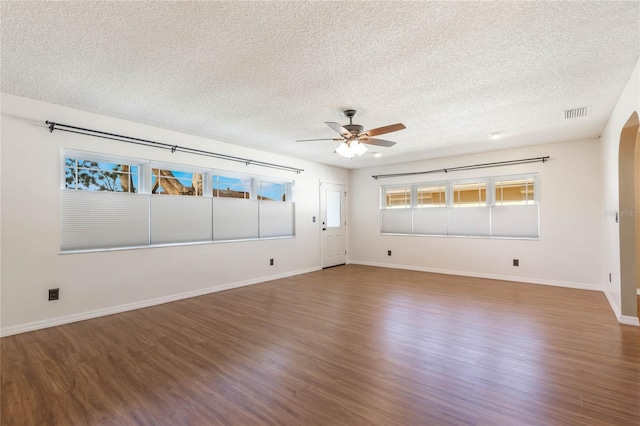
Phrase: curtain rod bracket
[52,126]
[174,148]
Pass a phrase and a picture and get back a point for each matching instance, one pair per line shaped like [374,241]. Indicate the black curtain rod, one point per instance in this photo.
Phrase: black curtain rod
[113,136]
[470,167]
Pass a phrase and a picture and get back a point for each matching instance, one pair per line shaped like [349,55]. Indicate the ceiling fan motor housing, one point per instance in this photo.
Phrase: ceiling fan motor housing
[355,129]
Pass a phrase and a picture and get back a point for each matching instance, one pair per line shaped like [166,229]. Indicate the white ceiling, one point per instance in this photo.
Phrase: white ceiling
[263,74]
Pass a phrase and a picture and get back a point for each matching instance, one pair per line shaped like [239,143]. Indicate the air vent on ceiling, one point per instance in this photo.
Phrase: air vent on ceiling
[576,112]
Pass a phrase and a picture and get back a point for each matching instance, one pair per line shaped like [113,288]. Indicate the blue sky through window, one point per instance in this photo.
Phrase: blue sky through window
[272,191]
[99,176]
[266,190]
[223,183]
[91,175]
[185,178]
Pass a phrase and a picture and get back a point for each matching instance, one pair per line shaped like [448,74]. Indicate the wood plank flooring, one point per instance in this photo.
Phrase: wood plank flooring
[352,345]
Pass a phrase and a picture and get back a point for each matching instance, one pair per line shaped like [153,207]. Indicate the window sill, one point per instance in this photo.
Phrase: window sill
[153,246]
[478,237]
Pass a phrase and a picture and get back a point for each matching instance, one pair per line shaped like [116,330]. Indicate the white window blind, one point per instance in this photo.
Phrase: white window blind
[515,221]
[95,220]
[110,202]
[469,221]
[500,207]
[430,221]
[234,219]
[176,219]
[396,221]
[276,219]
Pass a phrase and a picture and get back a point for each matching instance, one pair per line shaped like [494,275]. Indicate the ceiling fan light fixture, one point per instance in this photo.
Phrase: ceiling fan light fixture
[344,150]
[351,149]
[358,148]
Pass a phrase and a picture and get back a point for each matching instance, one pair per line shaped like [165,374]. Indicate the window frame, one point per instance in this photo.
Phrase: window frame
[286,190]
[489,204]
[490,182]
[247,184]
[280,226]
[536,188]
[383,196]
[487,184]
[145,173]
[174,168]
[92,156]
[432,185]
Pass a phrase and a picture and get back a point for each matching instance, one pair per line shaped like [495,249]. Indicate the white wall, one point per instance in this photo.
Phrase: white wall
[567,253]
[578,246]
[100,283]
[628,103]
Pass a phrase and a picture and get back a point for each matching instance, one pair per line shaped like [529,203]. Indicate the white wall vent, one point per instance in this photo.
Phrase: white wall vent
[576,112]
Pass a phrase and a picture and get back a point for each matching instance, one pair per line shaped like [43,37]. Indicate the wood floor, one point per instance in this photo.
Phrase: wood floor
[351,345]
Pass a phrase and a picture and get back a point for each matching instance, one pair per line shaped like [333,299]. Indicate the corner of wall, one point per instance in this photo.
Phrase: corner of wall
[628,102]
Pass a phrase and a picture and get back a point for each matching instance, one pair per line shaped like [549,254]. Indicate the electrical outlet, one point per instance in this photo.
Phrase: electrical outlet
[388,252]
[54,294]
[516,262]
[271,262]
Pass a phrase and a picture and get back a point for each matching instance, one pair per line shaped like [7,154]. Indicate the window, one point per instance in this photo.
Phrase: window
[469,194]
[514,192]
[397,197]
[174,182]
[503,206]
[89,175]
[333,209]
[109,202]
[431,196]
[270,191]
[229,187]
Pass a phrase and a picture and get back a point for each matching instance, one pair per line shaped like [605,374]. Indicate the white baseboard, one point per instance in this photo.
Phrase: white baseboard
[66,319]
[622,319]
[614,307]
[567,284]
[625,319]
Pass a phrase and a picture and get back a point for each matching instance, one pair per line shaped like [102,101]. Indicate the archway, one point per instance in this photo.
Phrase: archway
[628,178]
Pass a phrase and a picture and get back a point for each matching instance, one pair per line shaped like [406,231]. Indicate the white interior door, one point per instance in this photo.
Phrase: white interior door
[334,224]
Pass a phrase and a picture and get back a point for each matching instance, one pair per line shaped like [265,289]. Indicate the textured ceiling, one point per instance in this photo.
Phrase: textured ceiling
[263,74]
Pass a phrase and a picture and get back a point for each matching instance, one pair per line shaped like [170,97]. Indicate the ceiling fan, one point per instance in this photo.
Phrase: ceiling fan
[353,138]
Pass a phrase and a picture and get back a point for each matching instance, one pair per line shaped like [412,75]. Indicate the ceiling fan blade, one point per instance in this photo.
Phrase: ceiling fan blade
[386,129]
[338,128]
[322,139]
[378,142]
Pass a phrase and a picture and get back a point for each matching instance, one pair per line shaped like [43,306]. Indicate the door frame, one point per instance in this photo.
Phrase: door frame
[628,156]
